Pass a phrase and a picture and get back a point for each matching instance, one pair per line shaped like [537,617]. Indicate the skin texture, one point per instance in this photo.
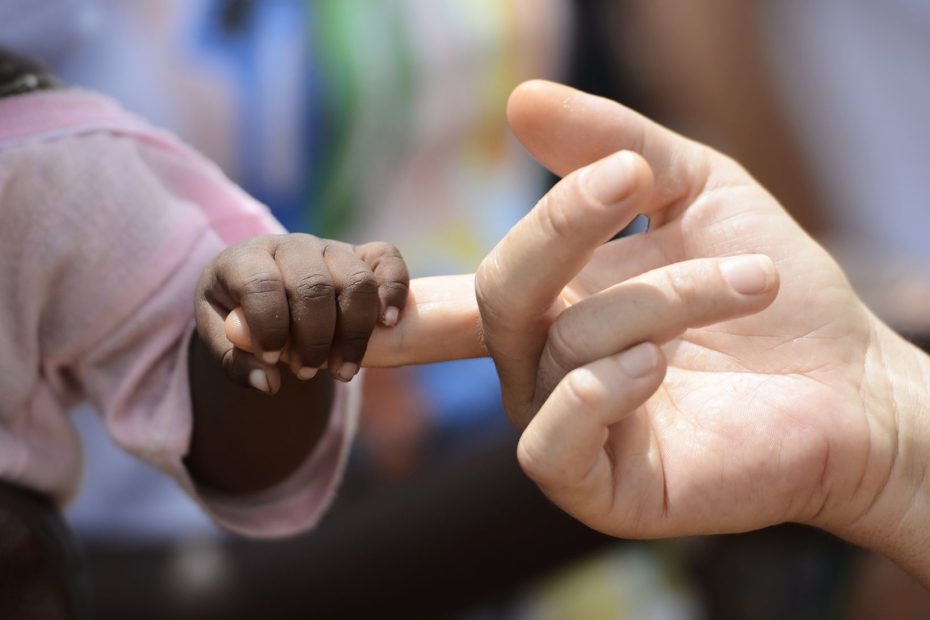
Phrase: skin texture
[255,419]
[439,323]
[716,374]
[319,298]
[807,410]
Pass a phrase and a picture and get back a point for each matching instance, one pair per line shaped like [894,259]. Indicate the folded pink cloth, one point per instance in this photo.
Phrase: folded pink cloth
[106,225]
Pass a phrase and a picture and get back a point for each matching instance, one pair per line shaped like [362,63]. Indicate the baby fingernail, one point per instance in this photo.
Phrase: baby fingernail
[307,372]
[611,180]
[749,275]
[259,380]
[390,316]
[640,360]
[271,357]
[347,371]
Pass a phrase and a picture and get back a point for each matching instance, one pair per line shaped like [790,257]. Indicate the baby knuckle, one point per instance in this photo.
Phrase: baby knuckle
[361,283]
[261,284]
[226,258]
[313,289]
[244,250]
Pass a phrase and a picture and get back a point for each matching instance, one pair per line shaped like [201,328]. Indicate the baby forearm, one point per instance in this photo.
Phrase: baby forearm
[243,440]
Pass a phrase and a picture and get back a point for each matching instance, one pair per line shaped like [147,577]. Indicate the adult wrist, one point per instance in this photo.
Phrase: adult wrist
[896,516]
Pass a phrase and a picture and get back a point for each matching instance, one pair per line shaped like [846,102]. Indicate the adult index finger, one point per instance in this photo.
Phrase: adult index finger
[519,283]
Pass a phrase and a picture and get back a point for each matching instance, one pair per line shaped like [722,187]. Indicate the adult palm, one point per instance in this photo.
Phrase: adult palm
[781,415]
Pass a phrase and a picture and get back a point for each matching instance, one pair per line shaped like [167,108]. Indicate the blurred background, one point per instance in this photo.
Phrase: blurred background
[384,119]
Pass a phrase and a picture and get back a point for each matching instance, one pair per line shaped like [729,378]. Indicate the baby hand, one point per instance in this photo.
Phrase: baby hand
[311,302]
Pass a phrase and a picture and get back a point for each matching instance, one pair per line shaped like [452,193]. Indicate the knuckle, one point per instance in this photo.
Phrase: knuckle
[560,345]
[242,250]
[314,289]
[583,390]
[680,286]
[300,243]
[261,283]
[361,283]
[554,220]
[225,259]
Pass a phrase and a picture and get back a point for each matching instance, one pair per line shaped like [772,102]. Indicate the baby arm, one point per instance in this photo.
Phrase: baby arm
[309,303]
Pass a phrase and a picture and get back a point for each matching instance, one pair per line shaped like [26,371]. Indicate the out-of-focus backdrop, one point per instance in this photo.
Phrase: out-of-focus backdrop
[384,119]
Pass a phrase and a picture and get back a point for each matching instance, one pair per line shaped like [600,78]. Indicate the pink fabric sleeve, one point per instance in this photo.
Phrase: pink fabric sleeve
[115,227]
[138,376]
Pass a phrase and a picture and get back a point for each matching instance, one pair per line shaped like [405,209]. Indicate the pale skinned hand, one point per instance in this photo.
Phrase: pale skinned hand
[806,409]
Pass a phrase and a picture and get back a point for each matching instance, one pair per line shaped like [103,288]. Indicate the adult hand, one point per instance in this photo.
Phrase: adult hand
[807,411]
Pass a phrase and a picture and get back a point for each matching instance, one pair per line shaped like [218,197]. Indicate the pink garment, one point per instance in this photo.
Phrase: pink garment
[106,225]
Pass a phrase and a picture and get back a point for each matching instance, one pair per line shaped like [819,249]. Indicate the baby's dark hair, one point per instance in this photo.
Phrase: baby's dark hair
[20,75]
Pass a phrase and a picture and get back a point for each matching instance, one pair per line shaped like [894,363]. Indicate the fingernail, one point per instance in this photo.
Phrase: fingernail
[271,357]
[640,360]
[749,275]
[611,180]
[307,372]
[259,380]
[347,371]
[390,316]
